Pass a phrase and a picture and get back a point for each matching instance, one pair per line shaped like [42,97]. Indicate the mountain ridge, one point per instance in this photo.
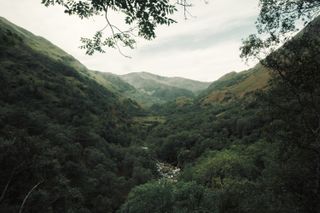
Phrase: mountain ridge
[179,82]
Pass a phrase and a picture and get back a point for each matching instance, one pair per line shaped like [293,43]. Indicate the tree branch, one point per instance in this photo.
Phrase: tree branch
[113,33]
[28,195]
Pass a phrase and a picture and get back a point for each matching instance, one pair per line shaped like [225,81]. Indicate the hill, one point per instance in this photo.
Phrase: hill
[244,151]
[139,79]
[61,132]
[154,89]
[71,140]
[236,85]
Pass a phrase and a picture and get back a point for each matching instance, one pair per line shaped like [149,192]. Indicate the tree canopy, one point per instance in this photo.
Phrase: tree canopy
[143,16]
[277,22]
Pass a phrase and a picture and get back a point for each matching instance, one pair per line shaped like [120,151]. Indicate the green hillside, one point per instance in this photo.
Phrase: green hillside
[236,85]
[147,89]
[249,143]
[139,79]
[62,132]
[112,82]
[75,140]
[153,89]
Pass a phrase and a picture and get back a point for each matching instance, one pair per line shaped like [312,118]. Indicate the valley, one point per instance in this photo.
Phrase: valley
[99,142]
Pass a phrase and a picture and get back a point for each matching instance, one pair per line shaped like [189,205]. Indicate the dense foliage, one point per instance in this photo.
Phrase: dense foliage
[70,144]
[63,133]
[258,153]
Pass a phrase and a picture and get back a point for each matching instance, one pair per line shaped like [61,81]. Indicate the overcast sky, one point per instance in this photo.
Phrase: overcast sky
[202,48]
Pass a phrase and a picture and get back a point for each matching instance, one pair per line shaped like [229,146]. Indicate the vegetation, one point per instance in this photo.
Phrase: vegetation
[62,134]
[153,89]
[141,79]
[142,16]
[254,152]
[71,140]
[278,21]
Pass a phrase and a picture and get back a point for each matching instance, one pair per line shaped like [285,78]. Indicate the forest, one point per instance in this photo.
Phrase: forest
[83,141]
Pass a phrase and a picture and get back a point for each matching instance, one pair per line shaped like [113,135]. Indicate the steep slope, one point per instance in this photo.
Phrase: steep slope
[112,82]
[40,45]
[236,85]
[127,94]
[61,132]
[125,90]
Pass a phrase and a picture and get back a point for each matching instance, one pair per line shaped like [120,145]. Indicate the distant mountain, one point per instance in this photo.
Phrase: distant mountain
[154,89]
[145,80]
[114,83]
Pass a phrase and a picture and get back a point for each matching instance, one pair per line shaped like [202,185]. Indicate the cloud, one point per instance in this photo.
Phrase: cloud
[202,39]
[202,48]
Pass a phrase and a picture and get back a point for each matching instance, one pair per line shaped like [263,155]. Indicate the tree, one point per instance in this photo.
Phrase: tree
[165,196]
[143,16]
[277,23]
[294,101]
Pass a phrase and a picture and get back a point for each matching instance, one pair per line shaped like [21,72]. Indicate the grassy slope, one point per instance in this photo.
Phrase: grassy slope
[239,84]
[42,45]
[236,85]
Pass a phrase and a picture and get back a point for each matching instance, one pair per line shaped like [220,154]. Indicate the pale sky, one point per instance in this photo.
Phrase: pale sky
[203,48]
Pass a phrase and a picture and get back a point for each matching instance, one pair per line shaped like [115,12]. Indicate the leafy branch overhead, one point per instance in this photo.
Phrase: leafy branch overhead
[277,22]
[143,16]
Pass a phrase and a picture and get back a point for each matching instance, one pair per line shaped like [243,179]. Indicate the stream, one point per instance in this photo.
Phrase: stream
[168,171]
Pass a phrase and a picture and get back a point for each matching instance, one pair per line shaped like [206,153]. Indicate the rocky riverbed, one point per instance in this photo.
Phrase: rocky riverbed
[168,171]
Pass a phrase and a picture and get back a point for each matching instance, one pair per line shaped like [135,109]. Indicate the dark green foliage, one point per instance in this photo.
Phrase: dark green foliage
[64,131]
[60,128]
[296,105]
[259,153]
[165,196]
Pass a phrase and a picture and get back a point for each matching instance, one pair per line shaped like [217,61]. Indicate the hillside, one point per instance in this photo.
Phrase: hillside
[230,88]
[62,132]
[153,89]
[145,79]
[112,82]
[76,140]
[244,151]
[236,85]
[40,45]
